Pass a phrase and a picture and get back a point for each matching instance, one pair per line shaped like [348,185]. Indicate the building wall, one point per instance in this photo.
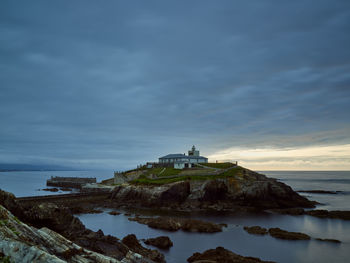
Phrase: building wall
[179,165]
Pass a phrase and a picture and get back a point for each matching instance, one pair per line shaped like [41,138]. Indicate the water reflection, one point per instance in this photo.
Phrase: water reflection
[236,239]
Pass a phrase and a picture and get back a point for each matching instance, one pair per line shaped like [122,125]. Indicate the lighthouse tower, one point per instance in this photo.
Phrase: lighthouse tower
[193,152]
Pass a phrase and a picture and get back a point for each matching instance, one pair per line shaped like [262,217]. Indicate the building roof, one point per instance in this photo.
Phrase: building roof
[180,155]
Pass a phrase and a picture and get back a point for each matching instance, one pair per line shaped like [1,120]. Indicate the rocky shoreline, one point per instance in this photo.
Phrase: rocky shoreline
[249,192]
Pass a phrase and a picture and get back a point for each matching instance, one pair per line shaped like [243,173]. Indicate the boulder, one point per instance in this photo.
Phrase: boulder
[162,242]
[133,244]
[221,255]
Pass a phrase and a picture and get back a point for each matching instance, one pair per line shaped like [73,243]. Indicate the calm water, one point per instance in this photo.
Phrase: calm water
[29,183]
[234,237]
[324,180]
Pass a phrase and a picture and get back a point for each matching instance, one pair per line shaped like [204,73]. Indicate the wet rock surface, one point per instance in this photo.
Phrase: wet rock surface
[60,220]
[175,224]
[221,255]
[133,244]
[283,234]
[20,242]
[256,230]
[162,242]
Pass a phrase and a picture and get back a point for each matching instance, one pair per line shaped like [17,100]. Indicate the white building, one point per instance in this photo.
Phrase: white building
[180,161]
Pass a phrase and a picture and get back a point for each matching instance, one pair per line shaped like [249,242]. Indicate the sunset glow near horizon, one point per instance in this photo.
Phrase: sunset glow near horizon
[334,157]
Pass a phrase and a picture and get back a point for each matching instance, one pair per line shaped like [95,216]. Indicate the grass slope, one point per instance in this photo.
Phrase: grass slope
[234,172]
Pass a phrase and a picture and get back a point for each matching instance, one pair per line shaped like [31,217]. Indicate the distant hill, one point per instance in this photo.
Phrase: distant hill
[6,167]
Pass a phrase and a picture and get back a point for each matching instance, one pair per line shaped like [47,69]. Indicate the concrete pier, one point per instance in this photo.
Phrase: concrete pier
[72,182]
[64,199]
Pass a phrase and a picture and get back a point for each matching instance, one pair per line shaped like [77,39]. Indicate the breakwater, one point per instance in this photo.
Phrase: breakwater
[73,182]
[67,199]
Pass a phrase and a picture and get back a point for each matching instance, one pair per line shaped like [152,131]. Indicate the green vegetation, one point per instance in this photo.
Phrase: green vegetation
[161,172]
[237,171]
[219,165]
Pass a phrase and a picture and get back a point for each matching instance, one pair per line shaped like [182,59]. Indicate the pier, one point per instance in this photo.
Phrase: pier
[67,199]
[72,182]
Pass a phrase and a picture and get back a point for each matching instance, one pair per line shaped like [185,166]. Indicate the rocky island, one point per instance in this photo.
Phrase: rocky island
[223,186]
[59,236]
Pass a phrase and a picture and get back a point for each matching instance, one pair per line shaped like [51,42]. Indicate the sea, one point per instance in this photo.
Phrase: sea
[233,237]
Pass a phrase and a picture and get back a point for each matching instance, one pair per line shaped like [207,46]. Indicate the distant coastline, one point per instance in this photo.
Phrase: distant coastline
[5,167]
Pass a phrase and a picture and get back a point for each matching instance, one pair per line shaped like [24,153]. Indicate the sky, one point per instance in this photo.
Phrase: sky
[113,84]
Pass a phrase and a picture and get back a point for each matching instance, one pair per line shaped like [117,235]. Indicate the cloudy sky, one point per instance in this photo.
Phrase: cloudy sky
[113,84]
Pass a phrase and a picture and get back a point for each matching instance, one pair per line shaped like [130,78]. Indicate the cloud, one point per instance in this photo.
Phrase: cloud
[118,83]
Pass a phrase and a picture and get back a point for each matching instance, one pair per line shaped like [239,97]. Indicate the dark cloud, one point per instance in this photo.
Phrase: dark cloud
[115,83]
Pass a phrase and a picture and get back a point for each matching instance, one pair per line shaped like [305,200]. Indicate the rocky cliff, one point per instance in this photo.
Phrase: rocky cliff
[48,233]
[20,242]
[246,189]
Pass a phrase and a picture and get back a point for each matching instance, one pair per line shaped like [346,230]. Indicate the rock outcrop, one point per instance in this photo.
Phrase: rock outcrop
[133,244]
[337,214]
[256,230]
[61,221]
[222,255]
[22,243]
[283,234]
[174,224]
[249,189]
[162,242]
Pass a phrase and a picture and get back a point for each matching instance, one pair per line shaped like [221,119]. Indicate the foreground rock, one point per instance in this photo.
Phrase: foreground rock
[62,221]
[133,244]
[256,230]
[22,243]
[174,224]
[243,188]
[345,215]
[162,242]
[283,234]
[221,255]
